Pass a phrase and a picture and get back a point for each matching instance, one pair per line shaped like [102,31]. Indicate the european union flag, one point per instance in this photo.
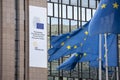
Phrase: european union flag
[106,18]
[73,44]
[40,26]
[70,63]
[93,59]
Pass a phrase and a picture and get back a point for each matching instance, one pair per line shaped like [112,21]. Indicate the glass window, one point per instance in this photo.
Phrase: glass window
[64,78]
[92,3]
[73,2]
[54,0]
[56,78]
[50,9]
[75,13]
[64,11]
[83,14]
[93,12]
[50,78]
[84,3]
[54,26]
[88,14]
[56,10]
[59,10]
[73,25]
[65,26]
[65,1]
[69,11]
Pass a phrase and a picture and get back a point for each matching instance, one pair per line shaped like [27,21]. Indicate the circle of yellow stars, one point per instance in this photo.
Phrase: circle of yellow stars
[115,5]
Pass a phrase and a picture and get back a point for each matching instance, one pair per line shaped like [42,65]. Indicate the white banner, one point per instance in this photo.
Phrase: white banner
[37,37]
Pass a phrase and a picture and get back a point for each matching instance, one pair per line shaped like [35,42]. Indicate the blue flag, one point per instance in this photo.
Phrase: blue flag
[70,45]
[94,58]
[106,18]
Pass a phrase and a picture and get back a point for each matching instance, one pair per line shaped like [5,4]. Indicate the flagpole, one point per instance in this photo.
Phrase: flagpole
[117,71]
[106,56]
[100,56]
[117,68]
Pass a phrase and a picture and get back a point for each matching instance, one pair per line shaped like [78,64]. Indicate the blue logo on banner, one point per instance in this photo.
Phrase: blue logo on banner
[40,26]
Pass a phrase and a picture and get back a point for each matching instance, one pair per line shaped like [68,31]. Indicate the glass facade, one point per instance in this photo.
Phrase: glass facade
[65,16]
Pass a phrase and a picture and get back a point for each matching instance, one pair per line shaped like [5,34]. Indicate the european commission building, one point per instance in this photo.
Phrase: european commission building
[26,27]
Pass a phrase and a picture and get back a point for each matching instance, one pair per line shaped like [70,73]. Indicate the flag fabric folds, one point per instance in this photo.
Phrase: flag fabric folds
[70,45]
[106,19]
[112,52]
[70,63]
[93,59]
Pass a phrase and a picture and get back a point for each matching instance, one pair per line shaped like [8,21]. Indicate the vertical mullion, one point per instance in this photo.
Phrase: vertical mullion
[58,17]
[70,28]
[78,27]
[78,13]
[96,4]
[88,3]
[62,26]
[17,40]
[53,10]
[61,17]
[50,39]
[58,30]
[81,25]
[73,12]
[85,14]
[66,11]
[91,13]
[69,2]
[70,31]
[24,43]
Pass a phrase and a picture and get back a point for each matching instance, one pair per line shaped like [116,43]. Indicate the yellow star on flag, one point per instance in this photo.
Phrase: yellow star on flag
[68,37]
[105,56]
[81,44]
[75,47]
[103,6]
[115,5]
[62,43]
[76,55]
[84,39]
[85,54]
[86,32]
[69,47]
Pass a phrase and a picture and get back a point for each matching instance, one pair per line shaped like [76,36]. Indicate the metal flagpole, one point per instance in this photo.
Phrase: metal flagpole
[117,68]
[100,57]
[106,56]
[117,71]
